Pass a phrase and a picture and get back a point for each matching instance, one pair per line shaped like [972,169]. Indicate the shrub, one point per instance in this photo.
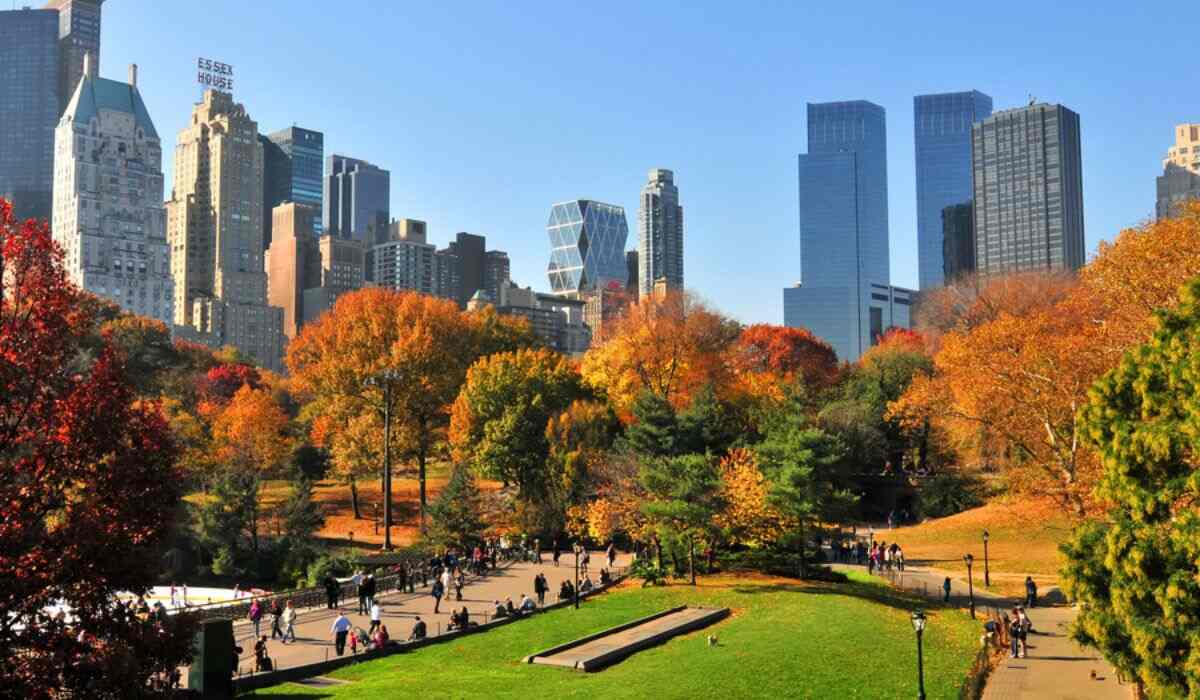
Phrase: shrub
[950,492]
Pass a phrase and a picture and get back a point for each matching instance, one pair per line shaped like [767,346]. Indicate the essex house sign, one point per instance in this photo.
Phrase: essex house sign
[215,75]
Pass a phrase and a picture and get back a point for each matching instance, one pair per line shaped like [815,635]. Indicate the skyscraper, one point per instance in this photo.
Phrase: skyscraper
[1180,180]
[844,230]
[215,229]
[496,272]
[108,193]
[1028,188]
[292,162]
[293,263]
[356,202]
[78,36]
[660,233]
[407,260]
[942,135]
[587,246]
[958,242]
[29,109]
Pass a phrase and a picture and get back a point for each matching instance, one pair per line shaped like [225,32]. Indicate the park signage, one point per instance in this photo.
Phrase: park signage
[215,75]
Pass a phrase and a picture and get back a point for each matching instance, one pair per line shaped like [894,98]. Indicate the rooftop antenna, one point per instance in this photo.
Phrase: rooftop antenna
[1032,100]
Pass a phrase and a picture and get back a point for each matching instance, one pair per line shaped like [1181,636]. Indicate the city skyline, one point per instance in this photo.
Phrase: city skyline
[764,127]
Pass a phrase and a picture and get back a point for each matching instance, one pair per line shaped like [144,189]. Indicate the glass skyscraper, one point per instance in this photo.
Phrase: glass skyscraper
[29,109]
[660,233]
[357,200]
[587,246]
[292,162]
[1028,185]
[78,36]
[843,227]
[942,135]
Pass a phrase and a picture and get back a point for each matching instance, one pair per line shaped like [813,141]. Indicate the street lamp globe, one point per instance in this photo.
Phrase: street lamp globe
[969,559]
[918,621]
[985,535]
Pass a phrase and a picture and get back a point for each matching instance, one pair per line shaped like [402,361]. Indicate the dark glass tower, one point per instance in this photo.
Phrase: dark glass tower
[78,36]
[357,196]
[587,246]
[29,108]
[942,135]
[292,162]
[843,225]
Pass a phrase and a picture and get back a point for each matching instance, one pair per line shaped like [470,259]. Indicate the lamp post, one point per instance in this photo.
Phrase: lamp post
[918,623]
[384,381]
[577,548]
[987,579]
[970,584]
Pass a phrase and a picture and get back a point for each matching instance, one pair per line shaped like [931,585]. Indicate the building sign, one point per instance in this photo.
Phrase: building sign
[215,75]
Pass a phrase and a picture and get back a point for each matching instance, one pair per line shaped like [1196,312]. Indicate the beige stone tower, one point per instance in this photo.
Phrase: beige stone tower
[215,229]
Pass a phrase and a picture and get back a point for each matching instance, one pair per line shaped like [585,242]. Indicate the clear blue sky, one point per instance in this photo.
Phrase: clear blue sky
[486,114]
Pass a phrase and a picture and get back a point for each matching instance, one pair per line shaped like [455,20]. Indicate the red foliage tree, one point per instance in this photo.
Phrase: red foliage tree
[787,352]
[88,486]
[223,381]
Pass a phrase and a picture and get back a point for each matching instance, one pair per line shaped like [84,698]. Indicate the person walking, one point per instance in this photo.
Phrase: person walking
[360,581]
[946,590]
[339,630]
[276,619]
[436,591]
[447,580]
[1014,634]
[289,623]
[611,554]
[539,587]
[1030,592]
[376,617]
[557,552]
[1025,625]
[370,585]
[459,582]
[255,616]
[331,592]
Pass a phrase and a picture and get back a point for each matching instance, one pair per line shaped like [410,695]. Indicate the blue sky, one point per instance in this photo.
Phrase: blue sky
[487,113]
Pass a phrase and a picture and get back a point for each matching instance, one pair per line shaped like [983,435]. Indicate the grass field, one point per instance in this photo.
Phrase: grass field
[784,639]
[1024,538]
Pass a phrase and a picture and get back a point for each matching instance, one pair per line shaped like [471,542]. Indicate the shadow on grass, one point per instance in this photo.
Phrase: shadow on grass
[276,695]
[881,594]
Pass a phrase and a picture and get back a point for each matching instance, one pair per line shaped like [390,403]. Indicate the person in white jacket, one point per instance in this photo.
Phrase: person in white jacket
[289,623]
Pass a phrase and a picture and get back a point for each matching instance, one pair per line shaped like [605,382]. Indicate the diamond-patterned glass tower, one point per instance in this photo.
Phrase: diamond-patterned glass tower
[587,245]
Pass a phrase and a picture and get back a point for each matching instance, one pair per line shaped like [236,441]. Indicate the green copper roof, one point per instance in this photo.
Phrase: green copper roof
[95,94]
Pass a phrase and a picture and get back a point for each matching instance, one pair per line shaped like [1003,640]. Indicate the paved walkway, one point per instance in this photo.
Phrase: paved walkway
[314,642]
[1055,669]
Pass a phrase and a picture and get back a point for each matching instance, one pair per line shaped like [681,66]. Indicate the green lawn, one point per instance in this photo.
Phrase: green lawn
[784,639]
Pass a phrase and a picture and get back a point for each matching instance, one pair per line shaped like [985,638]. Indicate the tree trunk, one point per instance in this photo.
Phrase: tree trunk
[421,480]
[692,558]
[803,568]
[658,552]
[354,498]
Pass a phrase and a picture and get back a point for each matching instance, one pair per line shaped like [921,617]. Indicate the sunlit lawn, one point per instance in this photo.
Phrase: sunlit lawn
[784,639]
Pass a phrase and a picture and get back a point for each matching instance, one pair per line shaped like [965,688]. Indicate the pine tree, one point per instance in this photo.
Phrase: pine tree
[456,516]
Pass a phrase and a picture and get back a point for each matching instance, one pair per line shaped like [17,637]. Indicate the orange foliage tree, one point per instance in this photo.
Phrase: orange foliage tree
[670,346]
[747,517]
[768,359]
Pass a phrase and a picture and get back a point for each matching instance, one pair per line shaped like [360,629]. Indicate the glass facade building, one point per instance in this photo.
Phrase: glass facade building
[587,246]
[292,162]
[357,200]
[29,109]
[660,233]
[942,136]
[1028,187]
[78,36]
[843,225]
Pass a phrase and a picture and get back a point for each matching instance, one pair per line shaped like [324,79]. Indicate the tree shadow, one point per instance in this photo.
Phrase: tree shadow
[883,595]
[276,695]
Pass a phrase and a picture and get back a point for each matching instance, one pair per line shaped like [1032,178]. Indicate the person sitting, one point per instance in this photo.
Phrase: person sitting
[528,607]
[605,579]
[381,638]
[262,662]
[456,620]
[500,611]
[418,630]
[566,591]
[586,585]
[509,607]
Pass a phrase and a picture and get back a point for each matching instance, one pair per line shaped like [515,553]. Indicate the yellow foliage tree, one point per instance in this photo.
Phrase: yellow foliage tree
[747,517]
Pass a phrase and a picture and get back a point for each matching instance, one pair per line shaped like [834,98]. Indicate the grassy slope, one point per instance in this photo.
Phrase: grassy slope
[1024,539]
[783,640]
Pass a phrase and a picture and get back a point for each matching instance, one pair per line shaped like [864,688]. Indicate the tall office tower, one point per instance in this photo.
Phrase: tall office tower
[496,272]
[1028,188]
[632,272]
[942,134]
[958,242]
[468,251]
[844,231]
[29,109]
[1180,180]
[407,260]
[78,36]
[293,262]
[215,229]
[356,200]
[108,191]
[447,274]
[292,162]
[587,246]
[660,233]
[341,267]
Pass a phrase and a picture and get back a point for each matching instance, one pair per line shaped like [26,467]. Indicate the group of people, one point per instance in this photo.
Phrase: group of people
[344,630]
[283,619]
[885,557]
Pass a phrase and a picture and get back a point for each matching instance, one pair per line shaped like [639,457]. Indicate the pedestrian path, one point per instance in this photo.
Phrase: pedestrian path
[314,641]
[1056,668]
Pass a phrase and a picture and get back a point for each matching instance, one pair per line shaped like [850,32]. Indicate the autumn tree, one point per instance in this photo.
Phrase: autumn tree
[499,421]
[684,498]
[580,439]
[89,487]
[670,346]
[768,359]
[748,517]
[1135,572]
[402,353]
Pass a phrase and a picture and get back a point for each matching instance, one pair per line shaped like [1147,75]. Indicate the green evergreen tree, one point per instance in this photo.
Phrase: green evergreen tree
[685,496]
[1136,573]
[655,431]
[709,425]
[456,516]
